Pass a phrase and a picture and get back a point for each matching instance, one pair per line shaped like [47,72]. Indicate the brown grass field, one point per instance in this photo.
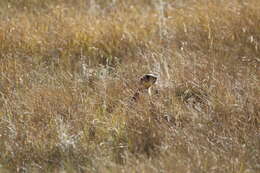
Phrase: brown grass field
[68,70]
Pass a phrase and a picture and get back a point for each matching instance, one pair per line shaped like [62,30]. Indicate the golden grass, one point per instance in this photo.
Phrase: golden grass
[69,69]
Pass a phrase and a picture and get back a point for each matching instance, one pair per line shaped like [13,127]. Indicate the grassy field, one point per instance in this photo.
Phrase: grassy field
[68,70]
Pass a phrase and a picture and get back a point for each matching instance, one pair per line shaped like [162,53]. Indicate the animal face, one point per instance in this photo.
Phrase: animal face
[148,80]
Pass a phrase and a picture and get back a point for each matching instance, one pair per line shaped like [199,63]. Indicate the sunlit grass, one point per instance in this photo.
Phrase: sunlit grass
[69,69]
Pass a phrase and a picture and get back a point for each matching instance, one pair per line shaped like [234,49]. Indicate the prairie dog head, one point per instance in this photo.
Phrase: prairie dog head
[147,80]
[145,83]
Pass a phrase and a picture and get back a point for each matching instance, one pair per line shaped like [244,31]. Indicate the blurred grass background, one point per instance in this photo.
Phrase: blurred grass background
[68,69]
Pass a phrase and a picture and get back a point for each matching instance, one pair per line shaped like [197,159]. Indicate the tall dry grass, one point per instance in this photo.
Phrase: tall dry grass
[69,68]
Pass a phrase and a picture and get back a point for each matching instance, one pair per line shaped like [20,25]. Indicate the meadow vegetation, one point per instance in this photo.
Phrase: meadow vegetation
[68,69]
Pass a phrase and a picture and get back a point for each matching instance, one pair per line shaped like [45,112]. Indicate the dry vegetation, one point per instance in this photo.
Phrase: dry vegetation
[69,67]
